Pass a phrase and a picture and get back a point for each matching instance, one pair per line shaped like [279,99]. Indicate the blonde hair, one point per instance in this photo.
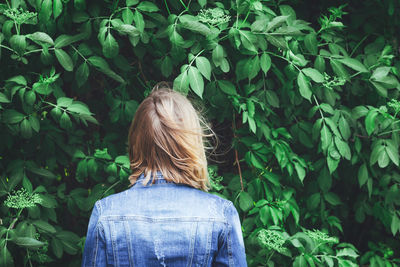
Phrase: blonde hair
[166,135]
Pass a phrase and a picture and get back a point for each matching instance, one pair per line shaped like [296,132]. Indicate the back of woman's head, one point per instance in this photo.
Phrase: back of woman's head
[166,135]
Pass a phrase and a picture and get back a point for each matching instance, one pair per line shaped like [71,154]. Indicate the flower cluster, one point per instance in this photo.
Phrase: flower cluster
[321,237]
[329,82]
[213,16]
[20,16]
[271,240]
[395,105]
[22,199]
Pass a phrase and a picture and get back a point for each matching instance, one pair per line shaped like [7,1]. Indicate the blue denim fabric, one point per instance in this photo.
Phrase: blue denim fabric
[164,224]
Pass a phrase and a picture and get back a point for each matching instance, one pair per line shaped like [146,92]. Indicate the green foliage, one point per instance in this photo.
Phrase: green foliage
[310,107]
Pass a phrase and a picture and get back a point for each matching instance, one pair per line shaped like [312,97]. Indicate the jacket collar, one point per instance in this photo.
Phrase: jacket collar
[154,179]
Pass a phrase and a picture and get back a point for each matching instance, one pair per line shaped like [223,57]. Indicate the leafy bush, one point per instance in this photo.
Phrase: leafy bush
[306,109]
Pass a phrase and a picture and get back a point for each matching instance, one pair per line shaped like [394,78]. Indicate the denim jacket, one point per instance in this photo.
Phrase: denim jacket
[164,224]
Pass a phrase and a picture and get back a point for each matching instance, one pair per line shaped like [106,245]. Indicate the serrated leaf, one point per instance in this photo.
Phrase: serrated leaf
[110,47]
[304,86]
[64,59]
[41,37]
[362,174]
[181,83]
[57,8]
[4,98]
[204,66]
[147,6]
[354,64]
[12,116]
[314,74]
[227,87]
[310,41]
[245,201]
[370,121]
[82,74]
[196,81]
[28,242]
[265,62]
[344,128]
[343,148]
[26,129]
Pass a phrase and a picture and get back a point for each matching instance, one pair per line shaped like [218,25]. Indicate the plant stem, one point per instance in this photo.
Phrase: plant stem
[166,5]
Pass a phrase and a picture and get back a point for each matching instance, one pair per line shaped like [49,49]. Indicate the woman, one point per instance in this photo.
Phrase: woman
[165,218]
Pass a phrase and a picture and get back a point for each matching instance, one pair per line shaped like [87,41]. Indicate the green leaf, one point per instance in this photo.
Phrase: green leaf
[354,64]
[181,83]
[64,102]
[310,41]
[304,86]
[12,116]
[127,16]
[18,80]
[395,224]
[245,201]
[218,55]
[44,226]
[376,151]
[28,242]
[79,108]
[147,6]
[45,10]
[393,151]
[204,66]
[370,121]
[332,198]
[338,69]
[383,159]
[227,87]
[43,172]
[139,21]
[57,8]
[276,22]
[26,129]
[265,62]
[34,123]
[314,74]
[362,174]
[166,66]
[248,40]
[29,98]
[326,137]
[65,121]
[41,37]
[64,59]
[18,43]
[313,201]
[131,2]
[110,47]
[57,247]
[82,74]
[191,23]
[196,81]
[6,258]
[4,98]
[344,128]
[130,30]
[103,66]
[64,40]
[343,148]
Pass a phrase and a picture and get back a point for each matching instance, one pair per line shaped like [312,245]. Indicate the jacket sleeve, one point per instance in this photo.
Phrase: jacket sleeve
[231,250]
[94,253]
